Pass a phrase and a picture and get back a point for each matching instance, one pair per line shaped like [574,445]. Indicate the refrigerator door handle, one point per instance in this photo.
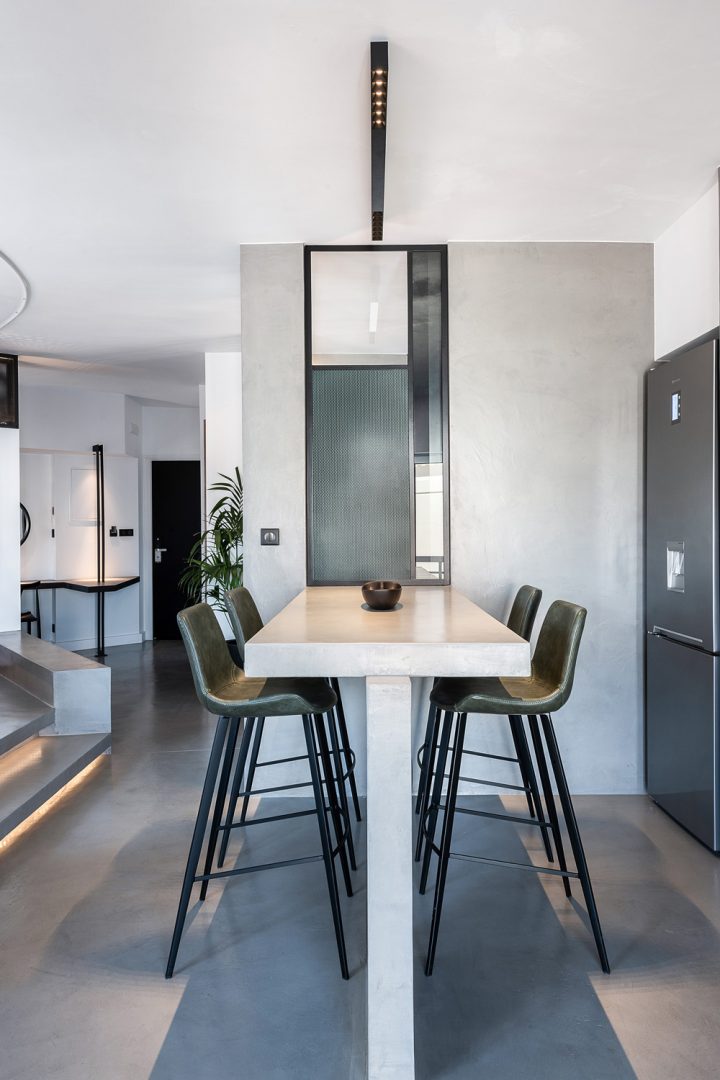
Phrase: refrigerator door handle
[674,635]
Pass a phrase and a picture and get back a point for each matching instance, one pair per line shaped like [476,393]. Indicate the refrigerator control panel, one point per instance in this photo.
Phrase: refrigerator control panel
[675,407]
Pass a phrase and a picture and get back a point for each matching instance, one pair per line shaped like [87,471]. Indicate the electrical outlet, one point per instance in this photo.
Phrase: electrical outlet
[269,537]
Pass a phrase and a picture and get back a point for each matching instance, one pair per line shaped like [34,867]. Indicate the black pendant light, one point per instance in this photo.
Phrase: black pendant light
[378,128]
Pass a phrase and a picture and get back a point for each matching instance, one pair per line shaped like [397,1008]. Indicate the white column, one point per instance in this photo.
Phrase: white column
[391,1052]
[9,529]
[223,415]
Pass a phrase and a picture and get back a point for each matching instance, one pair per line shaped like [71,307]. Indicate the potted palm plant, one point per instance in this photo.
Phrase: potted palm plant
[215,562]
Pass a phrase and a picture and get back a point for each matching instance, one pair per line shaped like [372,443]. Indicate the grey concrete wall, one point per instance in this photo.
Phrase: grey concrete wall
[273,419]
[548,346]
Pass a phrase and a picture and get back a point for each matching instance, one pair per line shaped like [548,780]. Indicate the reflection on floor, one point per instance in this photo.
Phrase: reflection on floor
[87,902]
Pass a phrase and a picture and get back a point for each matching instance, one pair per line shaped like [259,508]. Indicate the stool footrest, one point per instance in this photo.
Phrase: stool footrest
[495,757]
[515,865]
[491,783]
[267,790]
[258,866]
[503,817]
[263,820]
[280,761]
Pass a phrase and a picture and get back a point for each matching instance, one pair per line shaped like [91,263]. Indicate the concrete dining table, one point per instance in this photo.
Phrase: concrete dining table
[433,631]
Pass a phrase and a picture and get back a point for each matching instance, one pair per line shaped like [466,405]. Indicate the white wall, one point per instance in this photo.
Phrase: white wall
[223,414]
[687,275]
[9,529]
[67,421]
[46,482]
[548,346]
[170,433]
[55,418]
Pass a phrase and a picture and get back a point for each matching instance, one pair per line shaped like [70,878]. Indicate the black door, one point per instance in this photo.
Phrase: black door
[175,527]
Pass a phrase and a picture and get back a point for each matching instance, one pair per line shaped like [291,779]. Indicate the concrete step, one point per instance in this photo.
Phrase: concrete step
[32,773]
[76,687]
[21,715]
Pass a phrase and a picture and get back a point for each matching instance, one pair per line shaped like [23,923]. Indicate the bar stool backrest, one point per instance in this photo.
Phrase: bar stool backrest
[525,607]
[210,661]
[243,613]
[557,647]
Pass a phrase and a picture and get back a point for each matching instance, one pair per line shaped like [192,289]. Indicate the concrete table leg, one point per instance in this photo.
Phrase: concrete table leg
[391,1051]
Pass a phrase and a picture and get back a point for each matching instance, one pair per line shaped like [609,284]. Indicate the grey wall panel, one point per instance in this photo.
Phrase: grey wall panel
[548,348]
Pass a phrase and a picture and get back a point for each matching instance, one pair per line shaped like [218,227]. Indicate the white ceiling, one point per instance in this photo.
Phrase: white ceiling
[143,141]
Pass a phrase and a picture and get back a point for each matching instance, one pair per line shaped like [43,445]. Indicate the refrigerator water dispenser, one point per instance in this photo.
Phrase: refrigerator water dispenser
[676,566]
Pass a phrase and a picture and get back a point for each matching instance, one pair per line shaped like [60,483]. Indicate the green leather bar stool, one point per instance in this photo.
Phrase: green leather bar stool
[521,621]
[246,622]
[545,691]
[224,690]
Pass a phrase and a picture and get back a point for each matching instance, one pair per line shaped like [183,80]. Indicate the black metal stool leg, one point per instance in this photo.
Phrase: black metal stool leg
[236,786]
[530,779]
[197,839]
[436,797]
[326,845]
[426,784]
[445,840]
[220,800]
[522,762]
[549,799]
[253,763]
[342,793]
[575,840]
[335,811]
[425,766]
[346,749]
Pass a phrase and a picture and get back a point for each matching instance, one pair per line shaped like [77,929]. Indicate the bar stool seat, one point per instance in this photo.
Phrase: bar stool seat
[242,696]
[527,696]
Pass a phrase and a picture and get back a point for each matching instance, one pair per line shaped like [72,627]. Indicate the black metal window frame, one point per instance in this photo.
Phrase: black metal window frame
[408,248]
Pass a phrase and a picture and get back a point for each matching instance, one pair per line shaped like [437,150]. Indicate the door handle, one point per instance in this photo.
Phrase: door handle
[159,553]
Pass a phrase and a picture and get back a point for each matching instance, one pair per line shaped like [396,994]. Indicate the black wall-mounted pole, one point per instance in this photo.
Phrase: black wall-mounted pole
[378,131]
[100,519]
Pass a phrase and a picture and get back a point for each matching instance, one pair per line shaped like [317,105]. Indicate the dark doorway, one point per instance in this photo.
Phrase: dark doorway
[175,527]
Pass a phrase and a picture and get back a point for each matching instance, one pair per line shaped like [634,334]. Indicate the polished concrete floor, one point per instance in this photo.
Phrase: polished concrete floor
[87,902]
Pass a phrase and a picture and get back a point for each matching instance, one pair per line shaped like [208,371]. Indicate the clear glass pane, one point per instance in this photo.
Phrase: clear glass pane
[359,308]
[428,411]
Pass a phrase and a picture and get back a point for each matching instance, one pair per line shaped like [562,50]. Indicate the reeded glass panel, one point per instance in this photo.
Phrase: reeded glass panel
[360,474]
[377,416]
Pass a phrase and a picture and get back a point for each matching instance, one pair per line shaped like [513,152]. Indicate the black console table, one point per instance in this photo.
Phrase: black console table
[86,585]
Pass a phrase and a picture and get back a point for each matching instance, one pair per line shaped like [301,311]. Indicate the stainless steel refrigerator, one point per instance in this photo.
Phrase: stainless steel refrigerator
[682,583]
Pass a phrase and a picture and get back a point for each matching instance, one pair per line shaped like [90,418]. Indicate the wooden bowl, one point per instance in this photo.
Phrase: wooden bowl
[381,595]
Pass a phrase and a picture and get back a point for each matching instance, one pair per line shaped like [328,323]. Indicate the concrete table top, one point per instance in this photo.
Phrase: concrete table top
[436,631]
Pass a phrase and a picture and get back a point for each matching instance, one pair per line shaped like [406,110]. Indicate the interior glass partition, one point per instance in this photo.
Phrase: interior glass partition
[376,344]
